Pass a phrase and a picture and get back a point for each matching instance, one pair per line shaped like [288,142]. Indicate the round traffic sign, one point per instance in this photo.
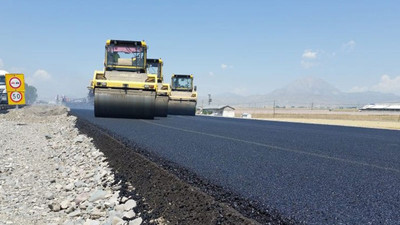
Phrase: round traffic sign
[15,82]
[16,96]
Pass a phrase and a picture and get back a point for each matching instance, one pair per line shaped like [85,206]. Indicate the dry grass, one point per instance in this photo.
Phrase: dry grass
[381,120]
[393,118]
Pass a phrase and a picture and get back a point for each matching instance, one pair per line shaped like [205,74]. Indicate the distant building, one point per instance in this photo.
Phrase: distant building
[382,107]
[224,111]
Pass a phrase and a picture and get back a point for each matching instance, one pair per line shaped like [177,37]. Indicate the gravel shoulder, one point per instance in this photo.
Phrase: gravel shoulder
[52,174]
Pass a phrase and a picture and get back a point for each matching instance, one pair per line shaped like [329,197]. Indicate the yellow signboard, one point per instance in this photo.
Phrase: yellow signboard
[16,97]
[15,82]
[15,86]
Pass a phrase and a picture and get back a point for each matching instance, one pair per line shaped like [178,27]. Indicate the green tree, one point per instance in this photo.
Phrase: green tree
[30,94]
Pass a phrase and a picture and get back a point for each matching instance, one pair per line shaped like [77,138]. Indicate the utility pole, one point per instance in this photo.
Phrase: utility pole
[273,112]
[209,99]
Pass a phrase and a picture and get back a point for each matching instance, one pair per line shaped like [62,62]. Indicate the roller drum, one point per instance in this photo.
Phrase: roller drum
[182,108]
[161,109]
[122,103]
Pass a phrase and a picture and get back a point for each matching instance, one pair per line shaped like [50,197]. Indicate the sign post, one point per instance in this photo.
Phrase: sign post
[15,86]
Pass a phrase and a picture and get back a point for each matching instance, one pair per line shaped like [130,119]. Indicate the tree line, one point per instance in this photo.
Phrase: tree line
[30,94]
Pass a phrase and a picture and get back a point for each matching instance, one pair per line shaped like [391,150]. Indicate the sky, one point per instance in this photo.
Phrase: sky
[241,47]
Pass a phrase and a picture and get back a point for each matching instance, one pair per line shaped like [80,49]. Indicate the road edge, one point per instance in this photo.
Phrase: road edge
[163,186]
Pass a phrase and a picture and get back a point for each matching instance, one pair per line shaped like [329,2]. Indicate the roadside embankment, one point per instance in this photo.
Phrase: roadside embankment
[51,174]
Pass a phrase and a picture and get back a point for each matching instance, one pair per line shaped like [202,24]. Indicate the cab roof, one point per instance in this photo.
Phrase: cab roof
[129,43]
[154,61]
[183,75]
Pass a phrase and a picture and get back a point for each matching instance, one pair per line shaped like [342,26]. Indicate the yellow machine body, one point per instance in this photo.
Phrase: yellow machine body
[124,88]
[155,68]
[183,97]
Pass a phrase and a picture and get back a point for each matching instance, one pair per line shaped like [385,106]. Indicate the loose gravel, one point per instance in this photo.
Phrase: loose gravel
[51,174]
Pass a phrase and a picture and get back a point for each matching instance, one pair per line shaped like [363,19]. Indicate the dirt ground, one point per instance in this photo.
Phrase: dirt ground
[350,117]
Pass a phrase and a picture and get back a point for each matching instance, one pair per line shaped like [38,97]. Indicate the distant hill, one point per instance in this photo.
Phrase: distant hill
[304,92]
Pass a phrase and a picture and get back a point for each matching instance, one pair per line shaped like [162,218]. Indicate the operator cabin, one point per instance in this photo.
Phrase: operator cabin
[224,111]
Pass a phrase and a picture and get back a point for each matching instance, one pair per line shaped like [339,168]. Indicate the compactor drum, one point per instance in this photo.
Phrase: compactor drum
[124,103]
[161,109]
[154,67]
[123,88]
[182,108]
[183,98]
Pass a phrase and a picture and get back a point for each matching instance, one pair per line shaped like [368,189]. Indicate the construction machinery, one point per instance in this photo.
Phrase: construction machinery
[3,91]
[124,88]
[154,66]
[183,98]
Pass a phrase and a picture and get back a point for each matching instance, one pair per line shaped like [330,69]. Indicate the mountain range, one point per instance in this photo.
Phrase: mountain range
[303,92]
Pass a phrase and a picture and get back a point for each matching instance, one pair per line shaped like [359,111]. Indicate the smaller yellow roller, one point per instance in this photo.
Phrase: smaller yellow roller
[154,67]
[183,98]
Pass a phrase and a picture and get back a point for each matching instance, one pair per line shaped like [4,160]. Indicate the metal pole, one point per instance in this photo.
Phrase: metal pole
[273,114]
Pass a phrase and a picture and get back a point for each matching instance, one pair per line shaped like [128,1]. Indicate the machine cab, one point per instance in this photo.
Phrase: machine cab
[154,66]
[2,80]
[3,91]
[125,55]
[181,82]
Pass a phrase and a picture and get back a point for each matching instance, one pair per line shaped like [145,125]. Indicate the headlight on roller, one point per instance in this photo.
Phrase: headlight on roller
[103,84]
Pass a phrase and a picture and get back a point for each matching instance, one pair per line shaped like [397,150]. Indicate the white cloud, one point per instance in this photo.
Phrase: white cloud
[308,58]
[349,46]
[309,54]
[385,85]
[1,63]
[41,75]
[226,66]
[211,74]
[388,85]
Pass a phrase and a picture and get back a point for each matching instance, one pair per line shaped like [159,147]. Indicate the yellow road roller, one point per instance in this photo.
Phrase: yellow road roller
[183,98]
[124,88]
[154,66]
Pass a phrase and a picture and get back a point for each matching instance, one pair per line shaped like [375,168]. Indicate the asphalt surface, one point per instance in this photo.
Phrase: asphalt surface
[318,174]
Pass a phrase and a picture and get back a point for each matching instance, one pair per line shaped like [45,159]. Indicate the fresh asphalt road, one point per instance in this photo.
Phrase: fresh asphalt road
[314,173]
